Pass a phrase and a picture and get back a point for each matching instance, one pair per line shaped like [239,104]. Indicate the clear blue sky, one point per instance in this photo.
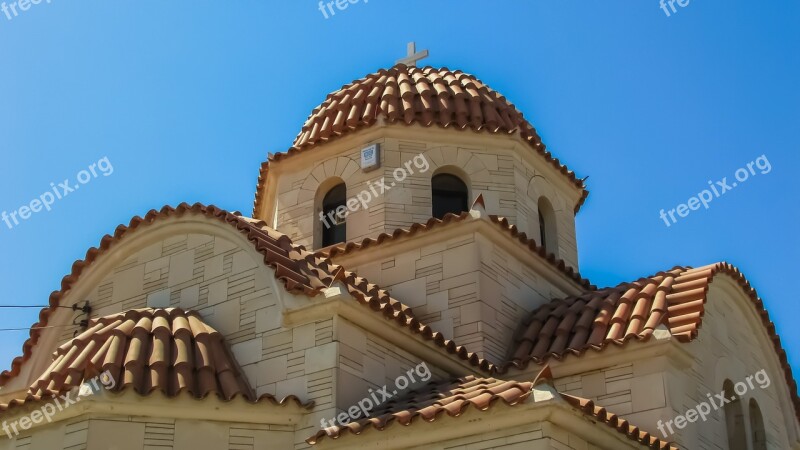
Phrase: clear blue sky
[186,99]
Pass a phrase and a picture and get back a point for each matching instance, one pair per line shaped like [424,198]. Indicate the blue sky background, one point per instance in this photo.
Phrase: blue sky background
[186,99]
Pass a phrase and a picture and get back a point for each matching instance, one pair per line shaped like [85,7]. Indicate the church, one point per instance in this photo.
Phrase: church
[408,279]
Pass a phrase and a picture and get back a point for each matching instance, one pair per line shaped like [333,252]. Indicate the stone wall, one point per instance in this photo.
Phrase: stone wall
[511,187]
[463,284]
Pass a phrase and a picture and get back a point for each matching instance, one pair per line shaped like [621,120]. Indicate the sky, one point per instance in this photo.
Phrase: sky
[181,101]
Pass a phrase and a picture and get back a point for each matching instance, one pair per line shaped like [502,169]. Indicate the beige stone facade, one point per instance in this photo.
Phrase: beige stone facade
[511,178]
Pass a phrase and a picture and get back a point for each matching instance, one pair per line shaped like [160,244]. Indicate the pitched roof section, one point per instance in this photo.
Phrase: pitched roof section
[632,311]
[148,350]
[456,397]
[300,272]
[595,319]
[616,422]
[452,398]
[411,95]
[448,219]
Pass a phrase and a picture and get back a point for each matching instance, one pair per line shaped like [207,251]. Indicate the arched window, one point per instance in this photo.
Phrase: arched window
[548,237]
[334,225]
[734,419]
[449,195]
[757,426]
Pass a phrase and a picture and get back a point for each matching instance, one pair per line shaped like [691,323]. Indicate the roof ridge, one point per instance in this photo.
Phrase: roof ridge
[450,218]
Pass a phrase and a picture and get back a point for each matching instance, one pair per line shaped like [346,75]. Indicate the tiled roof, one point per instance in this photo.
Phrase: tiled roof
[411,95]
[616,422]
[456,397]
[595,319]
[147,350]
[452,398]
[300,272]
[631,311]
[449,218]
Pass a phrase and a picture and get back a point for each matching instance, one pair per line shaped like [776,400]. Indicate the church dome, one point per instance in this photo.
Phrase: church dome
[406,94]
[412,95]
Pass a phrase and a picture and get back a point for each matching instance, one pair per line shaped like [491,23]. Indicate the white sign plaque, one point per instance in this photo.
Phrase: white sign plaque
[370,158]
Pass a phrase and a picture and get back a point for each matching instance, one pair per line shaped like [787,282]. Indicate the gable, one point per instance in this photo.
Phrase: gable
[733,344]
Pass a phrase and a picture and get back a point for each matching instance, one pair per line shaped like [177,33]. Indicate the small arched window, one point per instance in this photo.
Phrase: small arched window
[334,225]
[757,426]
[734,418]
[548,237]
[449,195]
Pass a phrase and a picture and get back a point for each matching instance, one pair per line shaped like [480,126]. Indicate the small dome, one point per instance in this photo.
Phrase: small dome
[404,94]
[410,95]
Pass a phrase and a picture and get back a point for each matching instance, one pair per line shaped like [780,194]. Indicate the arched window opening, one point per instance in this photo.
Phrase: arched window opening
[548,237]
[542,230]
[757,426]
[734,419]
[334,224]
[449,195]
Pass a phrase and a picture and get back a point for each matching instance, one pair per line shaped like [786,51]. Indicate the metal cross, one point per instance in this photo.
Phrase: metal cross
[413,56]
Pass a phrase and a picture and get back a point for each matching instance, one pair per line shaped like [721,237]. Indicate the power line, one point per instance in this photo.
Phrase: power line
[40,328]
[85,309]
[35,306]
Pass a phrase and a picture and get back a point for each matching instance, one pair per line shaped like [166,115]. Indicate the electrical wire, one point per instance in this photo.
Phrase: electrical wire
[35,306]
[73,307]
[39,328]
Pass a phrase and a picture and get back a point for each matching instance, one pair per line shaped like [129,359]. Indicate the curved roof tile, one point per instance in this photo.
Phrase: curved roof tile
[147,350]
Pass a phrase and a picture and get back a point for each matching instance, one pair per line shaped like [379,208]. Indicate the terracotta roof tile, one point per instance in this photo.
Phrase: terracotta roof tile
[632,311]
[414,229]
[456,397]
[451,398]
[411,95]
[612,420]
[147,350]
[300,272]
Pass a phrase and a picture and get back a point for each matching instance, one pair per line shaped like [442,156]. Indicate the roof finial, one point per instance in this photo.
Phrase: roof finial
[478,208]
[413,56]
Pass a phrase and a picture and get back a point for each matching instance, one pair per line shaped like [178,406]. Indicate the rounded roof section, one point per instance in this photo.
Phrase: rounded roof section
[425,96]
